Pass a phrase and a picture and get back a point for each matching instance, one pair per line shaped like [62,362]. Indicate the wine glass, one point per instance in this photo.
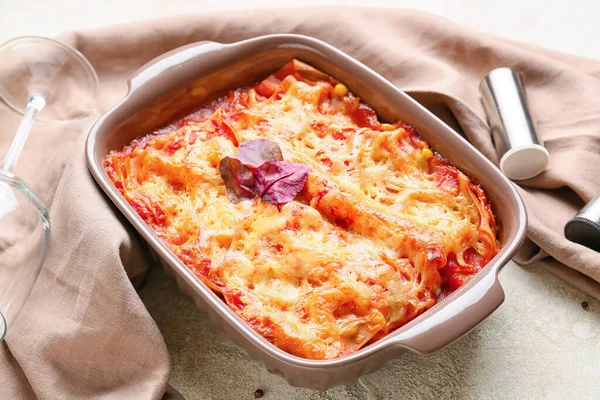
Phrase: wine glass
[43,80]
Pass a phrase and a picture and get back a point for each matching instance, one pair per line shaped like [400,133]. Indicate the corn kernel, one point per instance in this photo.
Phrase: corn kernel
[308,142]
[426,153]
[199,92]
[388,127]
[340,90]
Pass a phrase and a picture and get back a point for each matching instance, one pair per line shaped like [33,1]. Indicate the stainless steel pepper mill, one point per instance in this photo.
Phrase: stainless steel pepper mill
[522,154]
[584,228]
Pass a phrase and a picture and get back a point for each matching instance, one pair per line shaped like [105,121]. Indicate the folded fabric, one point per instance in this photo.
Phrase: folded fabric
[84,333]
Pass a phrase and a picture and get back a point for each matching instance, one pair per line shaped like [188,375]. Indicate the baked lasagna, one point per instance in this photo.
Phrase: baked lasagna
[382,229]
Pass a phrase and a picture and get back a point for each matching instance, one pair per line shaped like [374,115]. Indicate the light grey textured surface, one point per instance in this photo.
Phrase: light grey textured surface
[540,343]
[569,26]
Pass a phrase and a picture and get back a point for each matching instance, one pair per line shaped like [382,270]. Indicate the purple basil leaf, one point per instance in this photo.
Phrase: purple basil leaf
[279,182]
[255,152]
[238,178]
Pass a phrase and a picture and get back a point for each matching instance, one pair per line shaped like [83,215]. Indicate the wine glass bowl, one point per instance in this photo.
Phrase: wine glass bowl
[24,240]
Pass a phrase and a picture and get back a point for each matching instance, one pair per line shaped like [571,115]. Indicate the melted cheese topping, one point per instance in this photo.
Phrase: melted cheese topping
[383,228]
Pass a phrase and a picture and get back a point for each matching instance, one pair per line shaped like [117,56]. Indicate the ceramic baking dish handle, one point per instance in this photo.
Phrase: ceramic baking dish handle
[455,317]
[169,65]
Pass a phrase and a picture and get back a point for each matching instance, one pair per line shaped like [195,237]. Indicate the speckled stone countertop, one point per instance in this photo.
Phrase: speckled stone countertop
[541,343]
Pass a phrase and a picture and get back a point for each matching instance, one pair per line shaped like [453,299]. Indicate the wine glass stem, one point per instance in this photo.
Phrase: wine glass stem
[35,103]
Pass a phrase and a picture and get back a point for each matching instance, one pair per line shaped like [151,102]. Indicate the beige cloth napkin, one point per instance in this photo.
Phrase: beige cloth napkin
[85,334]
